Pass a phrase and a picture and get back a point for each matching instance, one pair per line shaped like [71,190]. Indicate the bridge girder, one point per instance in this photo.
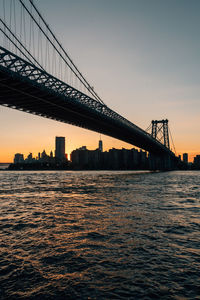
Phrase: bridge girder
[30,89]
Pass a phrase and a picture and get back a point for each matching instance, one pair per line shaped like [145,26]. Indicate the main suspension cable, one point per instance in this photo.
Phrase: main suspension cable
[5,26]
[51,42]
[90,89]
[76,72]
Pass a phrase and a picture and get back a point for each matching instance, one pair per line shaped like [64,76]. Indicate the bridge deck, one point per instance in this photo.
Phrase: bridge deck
[30,89]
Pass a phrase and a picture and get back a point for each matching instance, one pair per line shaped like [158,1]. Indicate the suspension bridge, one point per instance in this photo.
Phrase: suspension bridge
[39,77]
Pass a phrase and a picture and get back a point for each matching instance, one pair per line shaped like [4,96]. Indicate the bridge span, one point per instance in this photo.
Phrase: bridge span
[30,89]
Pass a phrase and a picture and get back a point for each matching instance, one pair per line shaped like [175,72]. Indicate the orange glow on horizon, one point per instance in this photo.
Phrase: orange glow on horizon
[35,134]
[7,153]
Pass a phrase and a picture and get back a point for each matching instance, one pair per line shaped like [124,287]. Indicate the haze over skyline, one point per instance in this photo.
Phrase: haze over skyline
[141,56]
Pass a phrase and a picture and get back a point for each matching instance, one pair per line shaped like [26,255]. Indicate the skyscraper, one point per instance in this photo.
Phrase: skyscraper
[185,158]
[19,158]
[60,148]
[101,145]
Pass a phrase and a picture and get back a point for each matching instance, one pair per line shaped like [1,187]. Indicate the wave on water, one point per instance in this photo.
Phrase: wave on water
[99,235]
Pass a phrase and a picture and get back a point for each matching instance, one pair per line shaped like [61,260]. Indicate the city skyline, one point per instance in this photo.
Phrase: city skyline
[83,158]
[141,58]
[61,154]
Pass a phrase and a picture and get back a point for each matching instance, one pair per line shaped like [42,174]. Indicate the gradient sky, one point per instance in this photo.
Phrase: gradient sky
[142,57]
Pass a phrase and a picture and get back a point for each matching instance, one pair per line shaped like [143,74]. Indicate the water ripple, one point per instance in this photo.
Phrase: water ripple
[99,235]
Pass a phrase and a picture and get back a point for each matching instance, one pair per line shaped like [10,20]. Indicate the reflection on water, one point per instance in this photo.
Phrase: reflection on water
[99,235]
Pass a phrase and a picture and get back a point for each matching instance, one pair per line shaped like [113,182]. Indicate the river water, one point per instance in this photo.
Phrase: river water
[99,235]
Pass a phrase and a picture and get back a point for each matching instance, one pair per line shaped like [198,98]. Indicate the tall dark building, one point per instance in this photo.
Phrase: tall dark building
[60,148]
[185,158]
[197,162]
[19,158]
[101,145]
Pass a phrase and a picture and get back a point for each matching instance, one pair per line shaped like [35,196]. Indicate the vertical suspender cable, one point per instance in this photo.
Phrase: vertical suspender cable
[17,47]
[56,48]
[172,140]
[90,89]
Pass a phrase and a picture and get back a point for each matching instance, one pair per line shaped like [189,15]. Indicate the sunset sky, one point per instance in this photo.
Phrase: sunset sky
[142,57]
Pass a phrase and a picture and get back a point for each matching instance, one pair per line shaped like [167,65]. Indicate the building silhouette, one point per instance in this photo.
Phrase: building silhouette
[84,159]
[19,158]
[60,148]
[43,160]
[114,159]
[185,158]
[101,145]
[196,163]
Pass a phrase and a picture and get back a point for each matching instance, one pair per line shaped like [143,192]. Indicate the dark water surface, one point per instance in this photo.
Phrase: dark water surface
[99,235]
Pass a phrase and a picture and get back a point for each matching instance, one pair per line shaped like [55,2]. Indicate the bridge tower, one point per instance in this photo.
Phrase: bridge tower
[160,131]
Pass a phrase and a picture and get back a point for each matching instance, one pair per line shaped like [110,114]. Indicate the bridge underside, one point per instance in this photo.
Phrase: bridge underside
[22,93]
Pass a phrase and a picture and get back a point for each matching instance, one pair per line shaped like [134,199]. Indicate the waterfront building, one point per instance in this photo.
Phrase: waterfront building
[18,158]
[60,148]
[94,157]
[143,160]
[101,145]
[114,159]
[83,158]
[196,162]
[185,158]
[43,155]
[29,158]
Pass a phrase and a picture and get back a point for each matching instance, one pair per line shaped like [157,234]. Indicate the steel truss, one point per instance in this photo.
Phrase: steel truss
[33,90]
[23,68]
[160,132]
